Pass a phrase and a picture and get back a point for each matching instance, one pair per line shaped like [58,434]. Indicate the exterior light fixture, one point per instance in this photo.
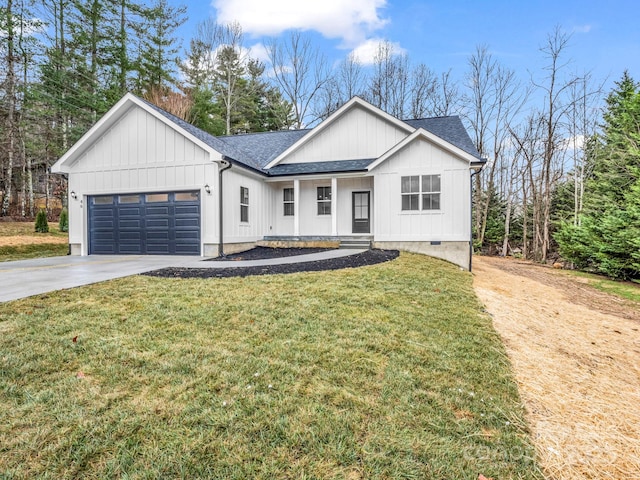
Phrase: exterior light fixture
[207,188]
[73,195]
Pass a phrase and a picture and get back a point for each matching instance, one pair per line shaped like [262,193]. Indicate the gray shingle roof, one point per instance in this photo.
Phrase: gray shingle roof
[320,167]
[257,150]
[450,129]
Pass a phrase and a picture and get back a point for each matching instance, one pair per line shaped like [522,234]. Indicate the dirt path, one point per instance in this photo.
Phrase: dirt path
[576,356]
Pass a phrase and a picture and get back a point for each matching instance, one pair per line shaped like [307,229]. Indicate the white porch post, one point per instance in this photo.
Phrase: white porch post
[296,207]
[334,206]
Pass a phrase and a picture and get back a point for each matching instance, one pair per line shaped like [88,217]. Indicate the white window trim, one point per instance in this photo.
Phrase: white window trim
[325,201]
[420,193]
[286,202]
[244,205]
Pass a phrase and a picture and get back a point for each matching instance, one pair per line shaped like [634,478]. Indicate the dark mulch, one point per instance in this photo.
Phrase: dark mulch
[261,253]
[370,257]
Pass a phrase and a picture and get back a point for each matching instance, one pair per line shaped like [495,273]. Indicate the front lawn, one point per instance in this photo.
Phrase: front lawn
[19,240]
[387,371]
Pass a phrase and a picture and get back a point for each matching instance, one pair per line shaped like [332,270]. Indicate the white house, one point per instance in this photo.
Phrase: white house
[142,181]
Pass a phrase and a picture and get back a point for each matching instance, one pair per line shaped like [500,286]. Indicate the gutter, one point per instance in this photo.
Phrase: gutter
[224,164]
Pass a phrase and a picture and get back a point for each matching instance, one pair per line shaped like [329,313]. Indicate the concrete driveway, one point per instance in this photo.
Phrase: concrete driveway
[25,278]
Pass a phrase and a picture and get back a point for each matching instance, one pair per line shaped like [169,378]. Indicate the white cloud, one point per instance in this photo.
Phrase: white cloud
[259,52]
[581,28]
[349,20]
[365,52]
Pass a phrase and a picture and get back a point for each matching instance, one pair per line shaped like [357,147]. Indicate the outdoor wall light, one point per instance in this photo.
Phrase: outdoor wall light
[207,188]
[73,195]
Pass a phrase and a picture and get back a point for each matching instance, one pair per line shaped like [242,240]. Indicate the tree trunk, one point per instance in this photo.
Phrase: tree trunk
[11,110]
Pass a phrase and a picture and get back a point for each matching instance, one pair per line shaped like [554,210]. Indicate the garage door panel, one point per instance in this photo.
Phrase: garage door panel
[157,210]
[151,226]
[187,210]
[158,223]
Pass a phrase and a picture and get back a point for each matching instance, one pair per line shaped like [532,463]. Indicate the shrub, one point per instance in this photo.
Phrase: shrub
[64,220]
[42,225]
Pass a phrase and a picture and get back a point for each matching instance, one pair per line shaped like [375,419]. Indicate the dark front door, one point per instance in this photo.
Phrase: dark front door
[361,212]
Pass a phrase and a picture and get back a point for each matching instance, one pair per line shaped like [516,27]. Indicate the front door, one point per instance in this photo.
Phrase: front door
[361,212]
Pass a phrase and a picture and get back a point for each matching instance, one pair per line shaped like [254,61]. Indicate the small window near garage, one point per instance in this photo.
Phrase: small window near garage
[410,189]
[129,199]
[103,200]
[288,202]
[156,197]
[324,200]
[244,204]
[430,192]
[186,196]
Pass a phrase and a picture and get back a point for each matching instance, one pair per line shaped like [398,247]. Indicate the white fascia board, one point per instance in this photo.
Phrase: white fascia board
[315,176]
[421,132]
[63,165]
[354,102]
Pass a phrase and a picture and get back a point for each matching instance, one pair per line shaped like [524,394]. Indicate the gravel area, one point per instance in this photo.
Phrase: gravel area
[262,253]
[369,257]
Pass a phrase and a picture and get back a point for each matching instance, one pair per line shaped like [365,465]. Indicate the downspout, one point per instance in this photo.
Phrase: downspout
[474,173]
[223,165]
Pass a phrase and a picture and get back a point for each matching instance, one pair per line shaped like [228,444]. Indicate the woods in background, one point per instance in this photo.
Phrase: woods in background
[562,171]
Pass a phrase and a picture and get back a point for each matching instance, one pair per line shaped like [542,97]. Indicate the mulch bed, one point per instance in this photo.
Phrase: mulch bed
[370,257]
[262,253]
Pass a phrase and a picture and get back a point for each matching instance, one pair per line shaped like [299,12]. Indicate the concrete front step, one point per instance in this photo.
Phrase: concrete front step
[360,243]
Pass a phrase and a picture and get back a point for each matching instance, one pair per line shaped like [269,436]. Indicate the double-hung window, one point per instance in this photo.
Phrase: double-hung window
[288,201]
[420,192]
[430,192]
[244,204]
[324,200]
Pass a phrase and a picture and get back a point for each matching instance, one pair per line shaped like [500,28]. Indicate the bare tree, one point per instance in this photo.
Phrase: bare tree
[496,98]
[424,85]
[557,105]
[11,96]
[389,83]
[347,81]
[446,99]
[300,71]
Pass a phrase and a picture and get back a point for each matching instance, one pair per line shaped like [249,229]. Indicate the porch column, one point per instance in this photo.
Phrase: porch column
[296,207]
[334,206]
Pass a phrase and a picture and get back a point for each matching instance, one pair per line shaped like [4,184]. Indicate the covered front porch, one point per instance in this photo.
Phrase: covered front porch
[330,208]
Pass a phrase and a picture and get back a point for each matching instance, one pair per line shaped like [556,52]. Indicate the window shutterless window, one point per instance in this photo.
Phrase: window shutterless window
[244,204]
[430,192]
[420,192]
[287,197]
[410,189]
[324,200]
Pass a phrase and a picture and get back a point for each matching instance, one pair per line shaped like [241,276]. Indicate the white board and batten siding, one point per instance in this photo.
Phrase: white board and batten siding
[139,153]
[356,135]
[449,224]
[260,207]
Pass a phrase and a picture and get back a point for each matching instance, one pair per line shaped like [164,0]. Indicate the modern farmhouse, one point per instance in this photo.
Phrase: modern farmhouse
[143,181]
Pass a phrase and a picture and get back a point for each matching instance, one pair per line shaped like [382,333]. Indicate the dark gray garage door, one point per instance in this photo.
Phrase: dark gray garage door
[145,223]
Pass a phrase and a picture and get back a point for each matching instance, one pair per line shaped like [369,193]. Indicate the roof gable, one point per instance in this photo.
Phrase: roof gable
[112,117]
[421,133]
[341,116]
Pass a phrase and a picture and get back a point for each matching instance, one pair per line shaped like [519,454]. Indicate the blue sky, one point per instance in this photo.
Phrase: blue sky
[442,34]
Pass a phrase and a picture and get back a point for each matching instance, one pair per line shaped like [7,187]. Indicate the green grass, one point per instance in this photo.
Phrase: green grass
[628,290]
[382,372]
[50,244]
[10,229]
[34,250]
